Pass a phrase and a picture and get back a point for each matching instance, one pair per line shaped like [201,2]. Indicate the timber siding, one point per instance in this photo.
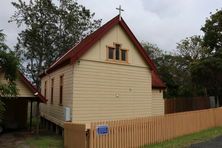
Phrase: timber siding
[98,52]
[104,91]
[55,112]
[157,102]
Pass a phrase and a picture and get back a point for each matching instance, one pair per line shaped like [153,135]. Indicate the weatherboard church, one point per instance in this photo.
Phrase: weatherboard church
[107,76]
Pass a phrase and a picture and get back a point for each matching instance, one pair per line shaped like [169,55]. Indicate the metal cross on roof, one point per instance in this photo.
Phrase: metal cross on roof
[120,9]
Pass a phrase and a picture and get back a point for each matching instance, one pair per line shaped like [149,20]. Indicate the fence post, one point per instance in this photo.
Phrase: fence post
[75,135]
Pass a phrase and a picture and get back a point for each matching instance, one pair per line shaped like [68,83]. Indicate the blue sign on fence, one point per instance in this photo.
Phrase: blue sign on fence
[102,129]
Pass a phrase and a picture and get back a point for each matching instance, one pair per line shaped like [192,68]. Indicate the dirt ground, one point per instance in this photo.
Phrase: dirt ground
[27,139]
[14,139]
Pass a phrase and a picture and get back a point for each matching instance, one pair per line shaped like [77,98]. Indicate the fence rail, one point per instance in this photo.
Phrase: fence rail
[138,132]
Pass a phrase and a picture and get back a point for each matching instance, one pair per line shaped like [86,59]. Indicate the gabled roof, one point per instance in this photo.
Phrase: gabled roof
[35,92]
[72,55]
[156,81]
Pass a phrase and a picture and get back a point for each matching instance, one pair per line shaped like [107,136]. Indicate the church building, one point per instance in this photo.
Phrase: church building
[106,76]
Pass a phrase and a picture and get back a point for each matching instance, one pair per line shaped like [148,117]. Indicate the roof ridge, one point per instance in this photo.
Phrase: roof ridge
[78,43]
[90,40]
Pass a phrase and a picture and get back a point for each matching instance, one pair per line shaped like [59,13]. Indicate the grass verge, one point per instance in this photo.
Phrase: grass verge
[45,141]
[185,141]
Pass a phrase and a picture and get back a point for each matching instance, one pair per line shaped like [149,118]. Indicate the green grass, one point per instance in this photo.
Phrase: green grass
[45,141]
[187,140]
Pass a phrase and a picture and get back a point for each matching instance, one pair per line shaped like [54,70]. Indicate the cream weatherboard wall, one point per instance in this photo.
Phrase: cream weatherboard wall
[116,35]
[105,90]
[23,90]
[157,102]
[53,111]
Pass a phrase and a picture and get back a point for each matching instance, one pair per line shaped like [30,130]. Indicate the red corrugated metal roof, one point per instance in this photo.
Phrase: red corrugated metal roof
[77,51]
[156,81]
[39,96]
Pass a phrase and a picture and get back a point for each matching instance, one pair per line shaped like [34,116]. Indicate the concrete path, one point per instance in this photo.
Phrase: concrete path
[213,143]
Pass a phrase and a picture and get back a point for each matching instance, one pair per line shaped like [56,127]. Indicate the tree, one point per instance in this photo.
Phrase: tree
[174,69]
[166,68]
[191,48]
[152,50]
[213,33]
[50,31]
[207,71]
[8,66]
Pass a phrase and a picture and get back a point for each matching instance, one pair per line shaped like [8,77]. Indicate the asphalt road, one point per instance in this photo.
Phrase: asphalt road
[213,143]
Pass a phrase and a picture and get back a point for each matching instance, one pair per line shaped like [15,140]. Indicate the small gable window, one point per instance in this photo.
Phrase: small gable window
[117,51]
[111,53]
[117,54]
[123,55]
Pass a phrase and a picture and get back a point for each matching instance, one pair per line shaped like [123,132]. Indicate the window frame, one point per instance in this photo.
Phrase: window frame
[126,56]
[108,48]
[45,89]
[52,89]
[114,60]
[61,89]
[115,48]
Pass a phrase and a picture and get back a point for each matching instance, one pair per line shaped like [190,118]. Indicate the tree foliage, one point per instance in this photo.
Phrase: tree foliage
[8,66]
[50,30]
[211,70]
[152,50]
[196,67]
[213,33]
[207,71]
[191,48]
[174,69]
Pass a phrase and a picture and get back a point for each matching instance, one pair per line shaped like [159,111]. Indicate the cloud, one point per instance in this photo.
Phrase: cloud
[10,29]
[163,22]
[163,8]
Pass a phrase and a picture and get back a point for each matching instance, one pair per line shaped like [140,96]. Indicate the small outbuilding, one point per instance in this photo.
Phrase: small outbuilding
[19,108]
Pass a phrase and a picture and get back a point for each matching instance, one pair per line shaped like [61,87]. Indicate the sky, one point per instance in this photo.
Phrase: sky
[161,22]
